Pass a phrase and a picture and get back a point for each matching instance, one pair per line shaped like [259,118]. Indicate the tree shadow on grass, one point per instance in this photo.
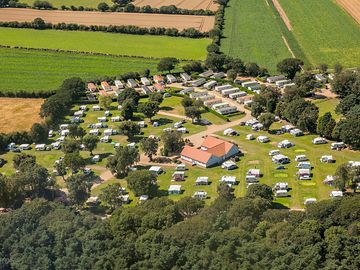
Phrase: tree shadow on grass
[276,205]
[163,121]
[166,108]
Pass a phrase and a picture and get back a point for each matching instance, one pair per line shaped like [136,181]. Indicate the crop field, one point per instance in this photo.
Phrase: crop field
[76,3]
[24,110]
[324,31]
[36,70]
[106,43]
[185,4]
[202,23]
[252,33]
[352,7]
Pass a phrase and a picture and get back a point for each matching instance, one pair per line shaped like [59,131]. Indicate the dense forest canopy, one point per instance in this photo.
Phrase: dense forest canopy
[241,233]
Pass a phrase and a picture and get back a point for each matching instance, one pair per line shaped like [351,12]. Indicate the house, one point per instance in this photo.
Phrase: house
[210,85]
[174,189]
[156,170]
[202,180]
[92,87]
[105,86]
[319,140]
[198,94]
[146,90]
[296,132]
[327,159]
[227,92]
[213,151]
[251,84]
[223,87]
[211,102]
[202,195]
[119,85]
[274,79]
[337,146]
[178,176]
[336,194]
[187,90]
[285,144]
[237,94]
[220,105]
[198,82]
[281,83]
[185,77]
[131,83]
[229,165]
[263,139]
[107,113]
[159,87]
[227,179]
[310,201]
[24,146]
[96,108]
[280,159]
[145,81]
[218,75]
[281,193]
[171,78]
[207,73]
[158,79]
[206,97]
[40,147]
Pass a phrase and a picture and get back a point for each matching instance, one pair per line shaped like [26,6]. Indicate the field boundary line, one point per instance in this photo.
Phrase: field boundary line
[283,15]
[288,46]
[350,8]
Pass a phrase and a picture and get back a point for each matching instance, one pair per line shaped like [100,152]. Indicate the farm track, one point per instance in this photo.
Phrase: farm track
[283,14]
[180,22]
[352,7]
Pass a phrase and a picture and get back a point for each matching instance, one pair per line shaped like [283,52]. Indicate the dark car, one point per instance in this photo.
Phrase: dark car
[280,168]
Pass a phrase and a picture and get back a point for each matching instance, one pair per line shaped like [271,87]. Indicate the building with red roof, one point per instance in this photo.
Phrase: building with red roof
[213,151]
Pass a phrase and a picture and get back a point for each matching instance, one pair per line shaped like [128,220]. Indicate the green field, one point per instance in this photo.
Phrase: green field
[107,43]
[325,32]
[328,105]
[76,3]
[36,70]
[252,33]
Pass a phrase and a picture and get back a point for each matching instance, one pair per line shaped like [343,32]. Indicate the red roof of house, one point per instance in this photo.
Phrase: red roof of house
[103,93]
[159,87]
[196,154]
[158,78]
[216,146]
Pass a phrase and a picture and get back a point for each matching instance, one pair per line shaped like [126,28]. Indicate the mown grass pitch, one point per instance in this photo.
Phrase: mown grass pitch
[325,32]
[252,33]
[24,70]
[107,43]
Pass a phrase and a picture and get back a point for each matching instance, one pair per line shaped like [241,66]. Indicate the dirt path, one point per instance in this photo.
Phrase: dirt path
[180,22]
[288,46]
[173,115]
[352,7]
[283,14]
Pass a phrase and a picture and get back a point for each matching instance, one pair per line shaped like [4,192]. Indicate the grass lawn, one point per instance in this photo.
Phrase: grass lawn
[44,71]
[173,105]
[76,3]
[252,33]
[107,43]
[328,105]
[325,32]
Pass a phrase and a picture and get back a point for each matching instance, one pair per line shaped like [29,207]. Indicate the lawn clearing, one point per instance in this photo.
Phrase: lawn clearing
[253,34]
[19,114]
[44,71]
[106,43]
[325,32]
[328,105]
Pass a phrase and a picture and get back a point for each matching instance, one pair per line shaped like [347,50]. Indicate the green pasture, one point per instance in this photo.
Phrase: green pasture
[252,33]
[324,31]
[76,3]
[328,105]
[107,43]
[24,70]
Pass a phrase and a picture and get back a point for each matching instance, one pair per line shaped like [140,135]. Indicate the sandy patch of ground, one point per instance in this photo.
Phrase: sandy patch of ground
[352,7]
[185,4]
[254,162]
[283,14]
[19,114]
[202,23]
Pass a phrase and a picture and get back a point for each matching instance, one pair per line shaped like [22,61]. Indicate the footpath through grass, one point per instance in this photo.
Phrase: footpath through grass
[325,32]
[251,32]
[107,43]
[24,70]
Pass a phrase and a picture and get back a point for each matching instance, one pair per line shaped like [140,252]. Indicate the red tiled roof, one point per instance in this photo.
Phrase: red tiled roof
[216,146]
[196,154]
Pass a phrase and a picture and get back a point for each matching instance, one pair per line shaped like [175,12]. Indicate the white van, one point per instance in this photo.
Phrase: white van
[299,158]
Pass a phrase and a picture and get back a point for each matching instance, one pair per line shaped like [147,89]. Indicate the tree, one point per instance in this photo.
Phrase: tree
[70,146]
[193,112]
[74,161]
[156,97]
[256,109]
[193,66]
[347,103]
[216,61]
[60,169]
[231,74]
[167,64]
[123,159]
[342,176]
[21,159]
[76,131]
[225,192]
[145,73]
[348,130]
[127,111]
[149,146]
[105,101]
[267,119]
[338,68]
[290,66]
[129,129]
[252,69]
[323,68]
[79,187]
[172,141]
[346,83]
[260,190]
[149,109]
[103,6]
[129,95]
[213,48]
[142,183]
[9,192]
[74,86]
[189,206]
[42,5]
[326,125]
[90,142]
[187,102]
[111,195]
[38,133]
